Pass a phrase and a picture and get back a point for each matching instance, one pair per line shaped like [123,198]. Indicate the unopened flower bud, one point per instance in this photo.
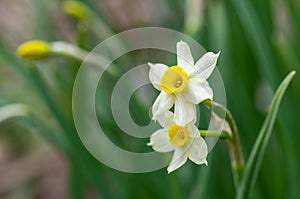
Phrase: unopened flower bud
[34,50]
[76,9]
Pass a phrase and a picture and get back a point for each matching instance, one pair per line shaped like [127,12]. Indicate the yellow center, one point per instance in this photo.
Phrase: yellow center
[174,80]
[178,135]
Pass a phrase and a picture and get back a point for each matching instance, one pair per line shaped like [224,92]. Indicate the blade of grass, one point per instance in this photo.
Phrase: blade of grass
[12,110]
[257,153]
[200,188]
[294,6]
[77,152]
[259,40]
[77,183]
[41,18]
[255,32]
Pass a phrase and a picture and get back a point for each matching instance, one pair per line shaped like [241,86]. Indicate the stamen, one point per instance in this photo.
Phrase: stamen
[178,135]
[174,80]
[178,83]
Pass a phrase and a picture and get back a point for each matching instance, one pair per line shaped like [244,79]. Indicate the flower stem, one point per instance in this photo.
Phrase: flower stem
[65,49]
[221,134]
[237,159]
[82,34]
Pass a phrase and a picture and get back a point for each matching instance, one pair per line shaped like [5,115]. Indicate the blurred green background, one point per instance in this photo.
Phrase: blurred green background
[43,157]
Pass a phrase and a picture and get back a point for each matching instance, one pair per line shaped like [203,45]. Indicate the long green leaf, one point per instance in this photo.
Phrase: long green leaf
[255,32]
[254,162]
[13,110]
[76,150]
[77,182]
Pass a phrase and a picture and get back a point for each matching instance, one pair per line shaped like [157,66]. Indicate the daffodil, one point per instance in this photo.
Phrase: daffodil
[185,141]
[183,84]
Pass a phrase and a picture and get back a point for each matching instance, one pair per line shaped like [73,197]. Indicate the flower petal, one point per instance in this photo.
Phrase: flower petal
[159,141]
[205,65]
[162,104]
[185,111]
[155,74]
[184,56]
[197,90]
[197,151]
[165,119]
[193,131]
[179,158]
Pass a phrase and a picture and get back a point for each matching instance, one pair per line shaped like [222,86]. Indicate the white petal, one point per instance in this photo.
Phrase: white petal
[159,141]
[197,151]
[162,104]
[184,56]
[155,74]
[193,131]
[185,111]
[197,90]
[179,158]
[165,119]
[205,65]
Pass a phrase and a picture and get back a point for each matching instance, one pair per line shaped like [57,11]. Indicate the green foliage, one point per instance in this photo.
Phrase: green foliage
[254,161]
[256,50]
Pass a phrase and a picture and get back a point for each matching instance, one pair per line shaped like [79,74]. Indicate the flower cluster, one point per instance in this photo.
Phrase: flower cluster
[182,86]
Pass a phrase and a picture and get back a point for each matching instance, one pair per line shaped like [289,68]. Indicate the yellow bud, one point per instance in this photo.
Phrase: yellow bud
[34,50]
[76,9]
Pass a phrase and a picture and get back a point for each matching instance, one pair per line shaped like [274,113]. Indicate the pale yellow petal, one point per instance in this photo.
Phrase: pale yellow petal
[205,65]
[179,158]
[155,74]
[185,111]
[159,141]
[197,150]
[184,56]
[197,91]
[162,104]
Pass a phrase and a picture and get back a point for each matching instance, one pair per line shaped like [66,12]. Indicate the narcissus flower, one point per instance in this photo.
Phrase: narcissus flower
[183,84]
[185,141]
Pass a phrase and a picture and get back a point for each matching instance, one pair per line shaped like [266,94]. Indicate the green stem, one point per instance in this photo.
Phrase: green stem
[221,134]
[82,33]
[68,50]
[237,159]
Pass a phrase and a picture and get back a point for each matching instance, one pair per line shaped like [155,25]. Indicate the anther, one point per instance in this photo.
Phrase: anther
[178,83]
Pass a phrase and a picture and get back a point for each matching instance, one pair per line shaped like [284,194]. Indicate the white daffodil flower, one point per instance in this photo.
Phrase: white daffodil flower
[183,84]
[185,141]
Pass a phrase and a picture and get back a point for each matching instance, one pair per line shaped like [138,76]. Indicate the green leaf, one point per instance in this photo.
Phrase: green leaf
[256,33]
[13,110]
[77,182]
[254,162]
